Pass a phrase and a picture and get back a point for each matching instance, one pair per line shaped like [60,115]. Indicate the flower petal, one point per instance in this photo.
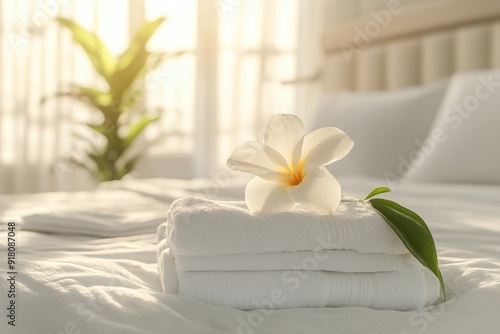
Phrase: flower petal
[285,133]
[324,146]
[319,191]
[250,157]
[267,197]
[276,157]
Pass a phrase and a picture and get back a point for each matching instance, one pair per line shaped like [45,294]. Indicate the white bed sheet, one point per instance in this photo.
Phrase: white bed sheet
[86,283]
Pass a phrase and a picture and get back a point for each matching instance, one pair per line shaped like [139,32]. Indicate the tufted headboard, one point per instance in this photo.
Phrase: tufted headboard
[409,43]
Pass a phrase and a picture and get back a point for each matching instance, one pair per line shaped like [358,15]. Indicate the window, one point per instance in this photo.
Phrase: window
[221,91]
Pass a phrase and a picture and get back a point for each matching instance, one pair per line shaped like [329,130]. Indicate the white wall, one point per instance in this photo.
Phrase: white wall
[339,10]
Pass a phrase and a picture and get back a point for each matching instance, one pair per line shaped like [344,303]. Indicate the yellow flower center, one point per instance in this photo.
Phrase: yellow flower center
[294,177]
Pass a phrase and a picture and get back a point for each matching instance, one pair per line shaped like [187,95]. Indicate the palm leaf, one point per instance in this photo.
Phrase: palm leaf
[128,166]
[137,128]
[99,55]
[132,62]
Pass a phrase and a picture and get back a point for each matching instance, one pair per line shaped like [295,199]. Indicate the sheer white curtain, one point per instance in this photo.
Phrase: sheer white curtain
[37,59]
[263,45]
[220,92]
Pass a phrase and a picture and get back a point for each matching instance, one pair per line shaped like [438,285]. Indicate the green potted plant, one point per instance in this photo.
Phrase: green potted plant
[119,126]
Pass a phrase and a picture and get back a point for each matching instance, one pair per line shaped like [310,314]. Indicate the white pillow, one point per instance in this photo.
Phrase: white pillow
[383,125]
[464,143]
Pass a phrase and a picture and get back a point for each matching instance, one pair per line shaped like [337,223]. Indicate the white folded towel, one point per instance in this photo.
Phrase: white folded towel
[411,288]
[119,223]
[198,226]
[347,261]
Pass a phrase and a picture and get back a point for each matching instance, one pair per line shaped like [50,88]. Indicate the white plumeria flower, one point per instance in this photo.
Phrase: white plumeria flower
[289,167]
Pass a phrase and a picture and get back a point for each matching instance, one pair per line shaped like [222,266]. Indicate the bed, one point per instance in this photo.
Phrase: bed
[85,262]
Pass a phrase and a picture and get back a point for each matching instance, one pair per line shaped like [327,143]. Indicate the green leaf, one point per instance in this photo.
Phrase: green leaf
[413,232]
[137,128]
[139,42]
[128,166]
[97,97]
[144,63]
[376,191]
[97,159]
[91,96]
[131,64]
[102,101]
[99,55]
[102,128]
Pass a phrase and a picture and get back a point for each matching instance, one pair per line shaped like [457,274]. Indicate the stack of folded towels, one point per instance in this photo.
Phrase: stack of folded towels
[220,253]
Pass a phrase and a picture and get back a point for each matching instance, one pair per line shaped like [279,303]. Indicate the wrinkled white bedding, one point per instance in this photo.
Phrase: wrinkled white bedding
[98,274]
